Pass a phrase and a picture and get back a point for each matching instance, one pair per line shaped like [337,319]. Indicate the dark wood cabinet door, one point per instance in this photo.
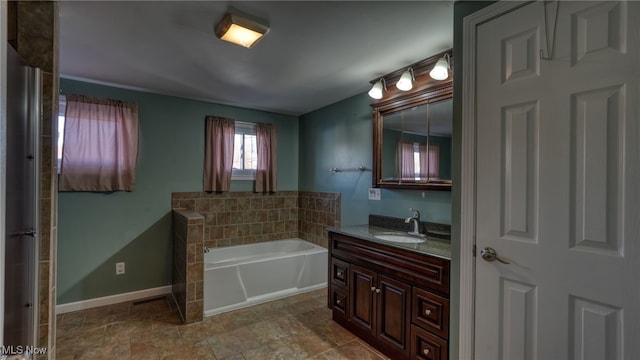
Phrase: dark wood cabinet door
[362,286]
[394,299]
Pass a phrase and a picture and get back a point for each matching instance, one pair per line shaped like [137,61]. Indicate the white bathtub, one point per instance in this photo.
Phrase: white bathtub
[245,275]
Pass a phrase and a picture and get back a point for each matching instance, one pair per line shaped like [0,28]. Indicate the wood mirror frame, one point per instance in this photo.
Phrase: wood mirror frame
[425,91]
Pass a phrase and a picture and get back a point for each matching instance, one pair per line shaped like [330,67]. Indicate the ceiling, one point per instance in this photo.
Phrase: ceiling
[315,54]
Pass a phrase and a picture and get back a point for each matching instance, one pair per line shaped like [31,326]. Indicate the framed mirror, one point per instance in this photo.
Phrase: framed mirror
[412,132]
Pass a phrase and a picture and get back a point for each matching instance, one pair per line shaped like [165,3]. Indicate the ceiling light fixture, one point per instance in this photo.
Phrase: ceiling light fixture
[406,80]
[378,88]
[441,70]
[239,30]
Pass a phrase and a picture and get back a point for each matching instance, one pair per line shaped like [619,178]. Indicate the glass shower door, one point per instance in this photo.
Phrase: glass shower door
[20,286]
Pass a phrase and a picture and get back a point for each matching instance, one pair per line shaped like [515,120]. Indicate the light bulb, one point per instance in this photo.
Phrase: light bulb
[376,90]
[441,70]
[406,81]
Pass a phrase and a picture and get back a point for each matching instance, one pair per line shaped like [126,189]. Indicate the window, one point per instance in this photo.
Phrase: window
[239,151]
[62,105]
[245,157]
[100,145]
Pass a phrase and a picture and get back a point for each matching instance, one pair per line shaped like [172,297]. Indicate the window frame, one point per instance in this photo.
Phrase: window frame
[62,106]
[244,128]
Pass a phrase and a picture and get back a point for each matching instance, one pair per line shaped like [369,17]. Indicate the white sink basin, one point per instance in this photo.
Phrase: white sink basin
[400,238]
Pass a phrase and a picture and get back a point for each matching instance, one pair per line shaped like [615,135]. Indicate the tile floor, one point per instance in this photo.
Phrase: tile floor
[298,327]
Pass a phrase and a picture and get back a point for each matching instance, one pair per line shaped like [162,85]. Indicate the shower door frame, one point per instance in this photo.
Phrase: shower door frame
[31,220]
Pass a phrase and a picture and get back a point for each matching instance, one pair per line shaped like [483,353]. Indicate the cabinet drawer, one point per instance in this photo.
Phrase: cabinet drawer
[339,301]
[431,312]
[339,272]
[427,346]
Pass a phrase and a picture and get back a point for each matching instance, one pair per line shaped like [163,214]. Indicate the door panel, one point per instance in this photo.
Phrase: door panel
[362,302]
[597,139]
[557,183]
[394,301]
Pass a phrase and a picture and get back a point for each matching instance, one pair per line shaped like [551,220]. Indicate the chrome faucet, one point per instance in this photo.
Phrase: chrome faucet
[416,223]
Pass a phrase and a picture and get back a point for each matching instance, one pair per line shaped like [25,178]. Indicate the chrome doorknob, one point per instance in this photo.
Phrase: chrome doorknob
[489,254]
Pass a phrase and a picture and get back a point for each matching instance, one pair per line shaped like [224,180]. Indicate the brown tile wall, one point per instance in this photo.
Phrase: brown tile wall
[236,218]
[188,245]
[35,38]
[317,211]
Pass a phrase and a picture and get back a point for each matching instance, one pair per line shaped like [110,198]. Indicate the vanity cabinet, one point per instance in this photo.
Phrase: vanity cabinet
[395,299]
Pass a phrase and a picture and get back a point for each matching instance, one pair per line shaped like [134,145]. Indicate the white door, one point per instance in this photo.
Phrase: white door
[557,183]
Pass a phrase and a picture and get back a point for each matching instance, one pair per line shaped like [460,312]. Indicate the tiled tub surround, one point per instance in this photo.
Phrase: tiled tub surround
[188,245]
[236,218]
[317,212]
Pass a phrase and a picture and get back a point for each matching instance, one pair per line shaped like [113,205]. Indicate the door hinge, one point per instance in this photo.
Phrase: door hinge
[474,250]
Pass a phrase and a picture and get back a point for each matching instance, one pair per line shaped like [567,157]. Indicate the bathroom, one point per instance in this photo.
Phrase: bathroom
[102,264]
[135,227]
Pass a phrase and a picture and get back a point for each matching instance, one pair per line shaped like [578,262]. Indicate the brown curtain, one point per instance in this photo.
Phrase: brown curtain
[218,155]
[406,167]
[267,148]
[430,161]
[100,150]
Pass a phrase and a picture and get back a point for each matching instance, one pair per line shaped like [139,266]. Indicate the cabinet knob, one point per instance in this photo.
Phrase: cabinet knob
[377,291]
[373,288]
[426,351]
[338,301]
[427,312]
[340,273]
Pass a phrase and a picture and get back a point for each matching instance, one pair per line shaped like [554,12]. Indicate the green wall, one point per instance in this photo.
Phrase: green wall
[96,230]
[341,135]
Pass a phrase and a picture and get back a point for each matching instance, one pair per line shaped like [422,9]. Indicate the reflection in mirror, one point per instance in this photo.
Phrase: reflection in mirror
[440,130]
[416,144]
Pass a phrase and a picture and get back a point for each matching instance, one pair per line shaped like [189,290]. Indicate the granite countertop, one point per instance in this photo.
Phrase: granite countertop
[431,246]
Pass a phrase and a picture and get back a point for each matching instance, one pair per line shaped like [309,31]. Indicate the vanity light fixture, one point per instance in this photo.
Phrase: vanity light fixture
[239,30]
[378,89]
[406,80]
[440,70]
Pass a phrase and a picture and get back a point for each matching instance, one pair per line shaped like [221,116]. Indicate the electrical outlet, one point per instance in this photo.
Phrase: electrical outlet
[120,268]
[374,194]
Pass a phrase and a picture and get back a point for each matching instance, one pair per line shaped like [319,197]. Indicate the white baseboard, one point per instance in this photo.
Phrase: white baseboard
[112,299]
